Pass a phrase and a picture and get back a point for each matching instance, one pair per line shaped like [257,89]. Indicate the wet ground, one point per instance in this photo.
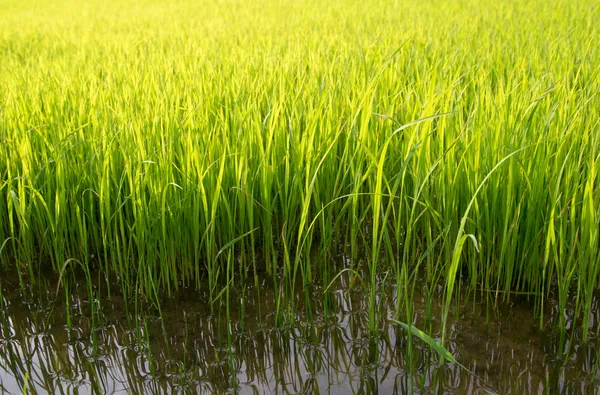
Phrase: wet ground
[183,348]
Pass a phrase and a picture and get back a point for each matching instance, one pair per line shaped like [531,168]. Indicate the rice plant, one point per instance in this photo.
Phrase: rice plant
[209,144]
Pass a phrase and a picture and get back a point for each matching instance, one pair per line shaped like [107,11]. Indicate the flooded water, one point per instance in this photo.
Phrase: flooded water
[183,348]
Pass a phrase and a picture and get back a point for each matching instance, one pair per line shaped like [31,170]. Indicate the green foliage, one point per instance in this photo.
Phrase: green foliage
[437,347]
[165,143]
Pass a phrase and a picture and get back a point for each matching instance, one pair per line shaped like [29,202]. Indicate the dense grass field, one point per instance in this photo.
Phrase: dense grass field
[185,144]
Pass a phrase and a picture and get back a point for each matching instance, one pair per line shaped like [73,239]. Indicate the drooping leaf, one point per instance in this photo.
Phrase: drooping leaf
[441,350]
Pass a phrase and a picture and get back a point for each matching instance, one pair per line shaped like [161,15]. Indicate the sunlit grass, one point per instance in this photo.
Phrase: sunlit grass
[166,143]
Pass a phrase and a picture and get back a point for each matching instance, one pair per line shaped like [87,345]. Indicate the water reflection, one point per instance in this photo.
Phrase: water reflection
[184,348]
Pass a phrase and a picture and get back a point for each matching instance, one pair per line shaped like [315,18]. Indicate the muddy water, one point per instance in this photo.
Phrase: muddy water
[183,347]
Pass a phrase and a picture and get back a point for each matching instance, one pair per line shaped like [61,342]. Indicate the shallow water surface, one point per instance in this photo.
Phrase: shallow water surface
[183,347]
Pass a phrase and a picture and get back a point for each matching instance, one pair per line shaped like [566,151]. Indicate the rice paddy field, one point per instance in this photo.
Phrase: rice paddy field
[300,196]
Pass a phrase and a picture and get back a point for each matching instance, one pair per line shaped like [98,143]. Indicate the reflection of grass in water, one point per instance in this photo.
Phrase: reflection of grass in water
[439,348]
[304,356]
